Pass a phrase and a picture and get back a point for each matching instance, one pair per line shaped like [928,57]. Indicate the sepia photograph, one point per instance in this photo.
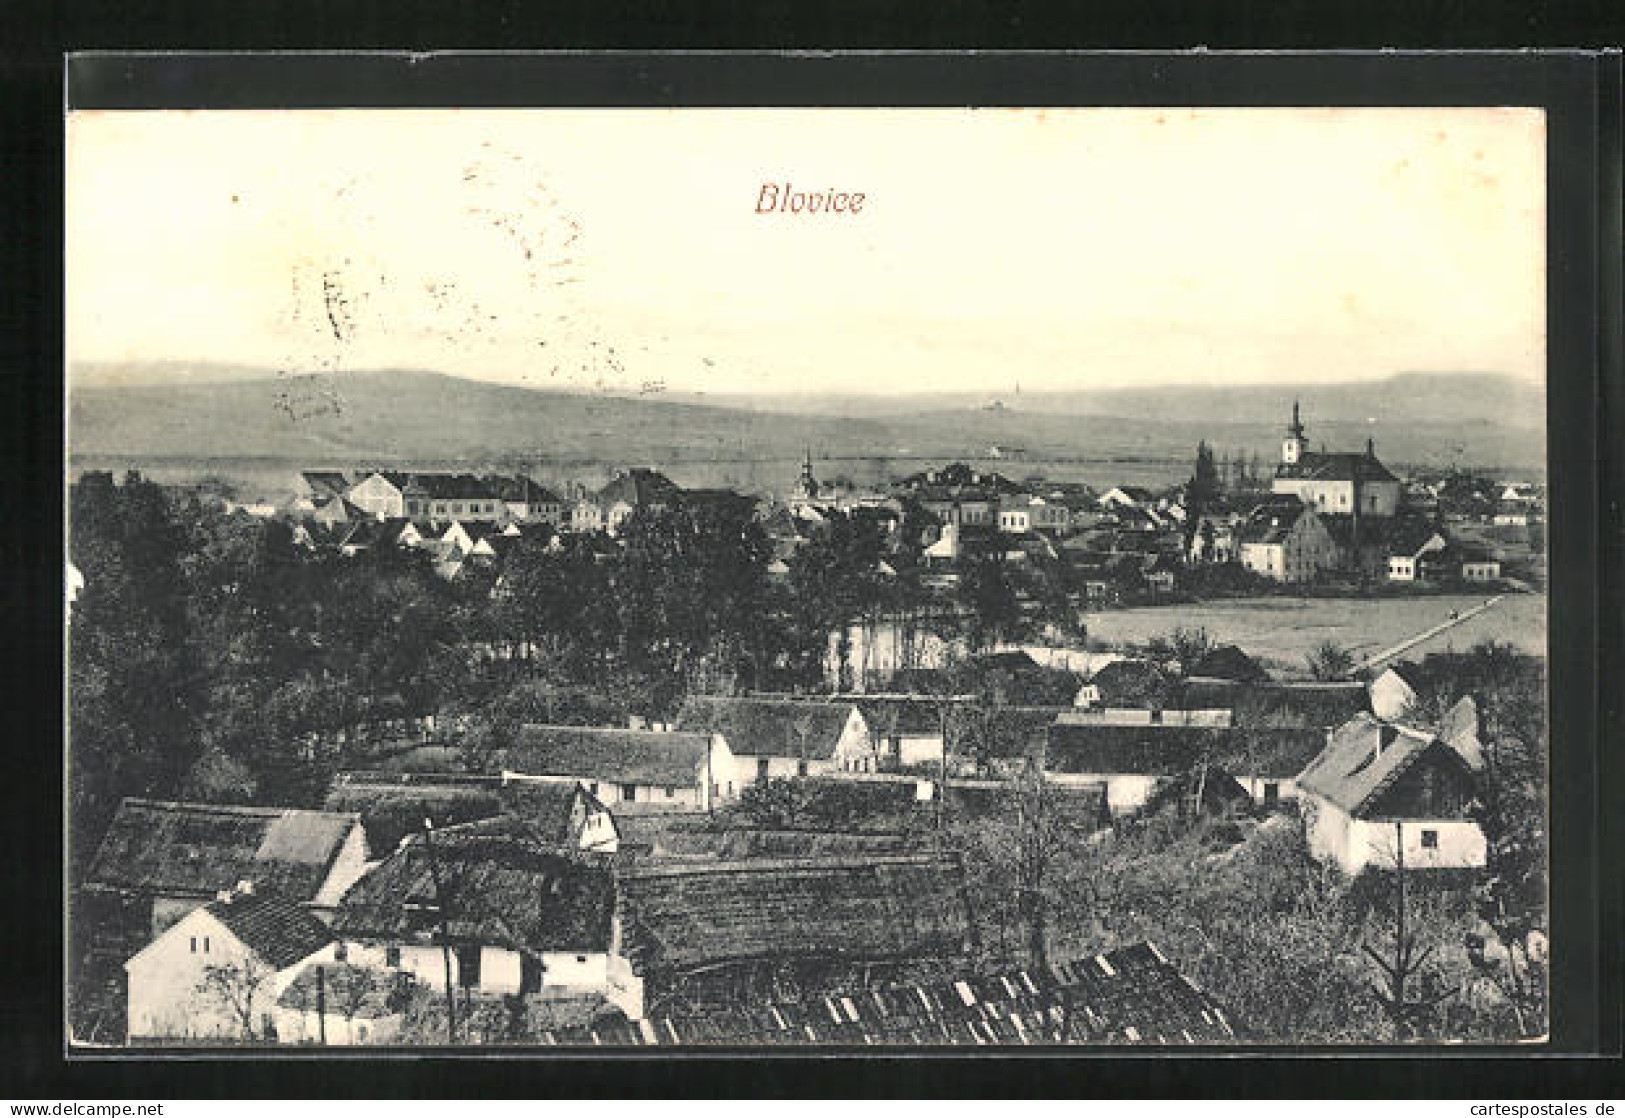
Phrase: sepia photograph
[902,578]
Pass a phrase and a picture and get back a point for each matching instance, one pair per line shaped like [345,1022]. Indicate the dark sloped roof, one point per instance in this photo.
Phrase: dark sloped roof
[1229,662]
[456,487]
[735,844]
[649,757]
[874,907]
[1169,750]
[1320,705]
[394,806]
[199,849]
[325,483]
[1126,681]
[499,883]
[1131,995]
[1364,757]
[278,930]
[769,727]
[1335,466]
[639,487]
[1271,521]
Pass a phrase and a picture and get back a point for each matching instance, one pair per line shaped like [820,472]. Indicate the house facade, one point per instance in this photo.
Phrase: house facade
[678,771]
[380,494]
[217,972]
[761,739]
[1380,792]
[1283,539]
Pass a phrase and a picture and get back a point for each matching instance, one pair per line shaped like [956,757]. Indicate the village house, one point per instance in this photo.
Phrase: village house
[166,859]
[393,806]
[526,501]
[1136,762]
[720,933]
[909,729]
[629,491]
[762,739]
[1285,540]
[217,972]
[1478,565]
[520,914]
[622,767]
[1227,661]
[440,497]
[1381,791]
[1126,683]
[1130,994]
[321,486]
[381,493]
[1122,497]
[1318,705]
[1407,546]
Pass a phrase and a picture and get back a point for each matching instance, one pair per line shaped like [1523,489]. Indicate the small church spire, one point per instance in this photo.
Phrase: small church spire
[1296,430]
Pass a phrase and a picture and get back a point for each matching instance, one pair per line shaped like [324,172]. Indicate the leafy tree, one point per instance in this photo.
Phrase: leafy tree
[1330,661]
[987,592]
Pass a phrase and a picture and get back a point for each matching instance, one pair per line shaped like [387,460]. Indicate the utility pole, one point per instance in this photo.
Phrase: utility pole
[321,1006]
[445,930]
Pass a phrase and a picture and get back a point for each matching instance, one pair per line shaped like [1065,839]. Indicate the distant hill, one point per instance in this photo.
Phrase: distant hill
[410,415]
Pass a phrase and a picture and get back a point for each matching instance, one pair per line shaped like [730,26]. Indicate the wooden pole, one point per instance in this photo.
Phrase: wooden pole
[445,932]
[321,1005]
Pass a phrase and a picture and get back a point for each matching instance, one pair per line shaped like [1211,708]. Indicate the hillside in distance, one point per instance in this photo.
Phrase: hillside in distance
[408,416]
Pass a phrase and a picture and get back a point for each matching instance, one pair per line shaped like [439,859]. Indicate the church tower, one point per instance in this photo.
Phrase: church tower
[807,485]
[1292,446]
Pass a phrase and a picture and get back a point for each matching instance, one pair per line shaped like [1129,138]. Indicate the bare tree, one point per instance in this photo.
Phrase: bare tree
[235,986]
[1408,991]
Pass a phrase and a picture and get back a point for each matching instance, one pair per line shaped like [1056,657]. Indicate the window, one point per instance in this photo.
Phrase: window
[1430,840]
[361,1033]
[761,769]
[670,792]
[205,945]
[1272,794]
[392,956]
[581,958]
[194,945]
[628,793]
[341,953]
[801,768]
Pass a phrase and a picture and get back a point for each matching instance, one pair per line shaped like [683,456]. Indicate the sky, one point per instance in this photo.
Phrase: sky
[621,249]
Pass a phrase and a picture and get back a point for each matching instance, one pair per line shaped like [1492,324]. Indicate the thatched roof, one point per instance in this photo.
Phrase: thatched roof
[184,849]
[394,806]
[644,757]
[1132,995]
[1168,750]
[1318,705]
[756,727]
[680,916]
[280,931]
[499,883]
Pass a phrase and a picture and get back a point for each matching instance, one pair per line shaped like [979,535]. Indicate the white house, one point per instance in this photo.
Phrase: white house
[520,914]
[1405,557]
[381,493]
[178,856]
[218,971]
[1380,791]
[1285,540]
[672,770]
[771,738]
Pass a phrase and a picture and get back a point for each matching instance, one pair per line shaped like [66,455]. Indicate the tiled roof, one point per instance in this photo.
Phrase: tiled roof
[757,727]
[1272,521]
[647,757]
[455,487]
[1364,757]
[499,884]
[199,849]
[1131,995]
[1130,681]
[278,930]
[875,907]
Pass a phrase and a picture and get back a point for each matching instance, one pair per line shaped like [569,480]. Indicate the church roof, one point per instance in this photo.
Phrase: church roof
[1321,466]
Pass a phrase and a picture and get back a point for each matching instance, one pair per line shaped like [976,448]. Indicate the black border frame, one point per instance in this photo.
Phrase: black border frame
[1581,94]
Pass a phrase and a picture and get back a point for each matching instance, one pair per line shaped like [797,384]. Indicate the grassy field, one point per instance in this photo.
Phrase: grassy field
[1282,631]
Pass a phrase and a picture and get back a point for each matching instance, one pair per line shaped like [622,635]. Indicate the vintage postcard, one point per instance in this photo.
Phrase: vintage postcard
[835,577]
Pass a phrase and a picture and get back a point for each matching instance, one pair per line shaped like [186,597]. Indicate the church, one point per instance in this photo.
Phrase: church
[1342,484]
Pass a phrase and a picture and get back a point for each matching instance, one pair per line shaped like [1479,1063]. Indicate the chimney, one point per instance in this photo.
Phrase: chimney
[1370,447]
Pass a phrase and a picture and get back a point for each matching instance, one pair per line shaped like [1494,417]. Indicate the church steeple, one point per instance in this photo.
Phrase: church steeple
[1292,447]
[807,485]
